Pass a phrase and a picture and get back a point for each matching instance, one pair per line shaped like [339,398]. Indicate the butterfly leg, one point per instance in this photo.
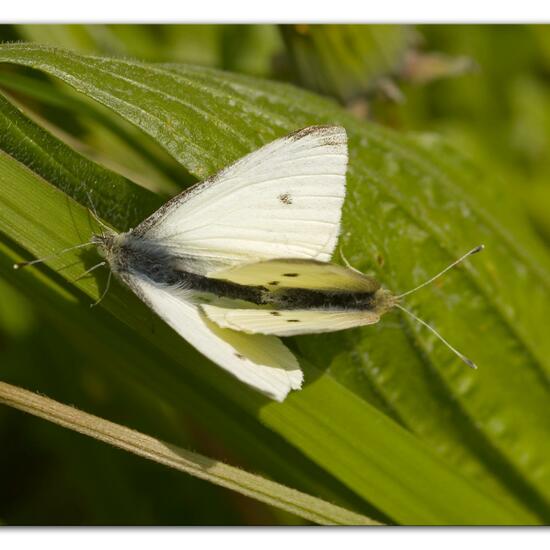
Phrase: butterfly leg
[105,291]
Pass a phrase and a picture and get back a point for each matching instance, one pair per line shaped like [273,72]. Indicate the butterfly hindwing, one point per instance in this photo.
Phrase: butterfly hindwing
[262,362]
[283,200]
[287,322]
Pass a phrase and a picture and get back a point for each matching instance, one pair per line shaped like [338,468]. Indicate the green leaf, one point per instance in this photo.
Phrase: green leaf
[386,409]
[68,170]
[130,310]
[110,140]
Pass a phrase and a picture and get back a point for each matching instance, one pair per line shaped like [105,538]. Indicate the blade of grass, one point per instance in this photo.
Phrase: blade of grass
[253,486]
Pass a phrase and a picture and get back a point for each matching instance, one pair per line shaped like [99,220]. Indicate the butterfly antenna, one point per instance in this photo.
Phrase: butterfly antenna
[94,213]
[452,348]
[107,286]
[20,265]
[456,262]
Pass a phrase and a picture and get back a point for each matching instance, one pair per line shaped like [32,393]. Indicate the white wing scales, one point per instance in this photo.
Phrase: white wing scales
[287,322]
[283,200]
[263,362]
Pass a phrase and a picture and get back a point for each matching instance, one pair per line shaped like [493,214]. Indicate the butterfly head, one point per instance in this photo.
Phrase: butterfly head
[384,300]
[107,244]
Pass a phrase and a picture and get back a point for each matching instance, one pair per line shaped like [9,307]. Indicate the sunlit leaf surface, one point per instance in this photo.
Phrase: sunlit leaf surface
[386,410]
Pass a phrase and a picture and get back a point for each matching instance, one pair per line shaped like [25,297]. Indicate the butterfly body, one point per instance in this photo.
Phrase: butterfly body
[130,256]
[327,300]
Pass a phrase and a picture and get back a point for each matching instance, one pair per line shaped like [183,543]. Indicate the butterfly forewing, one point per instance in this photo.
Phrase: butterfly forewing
[283,200]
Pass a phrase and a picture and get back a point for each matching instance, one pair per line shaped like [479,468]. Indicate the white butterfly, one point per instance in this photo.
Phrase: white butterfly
[242,258]
[282,201]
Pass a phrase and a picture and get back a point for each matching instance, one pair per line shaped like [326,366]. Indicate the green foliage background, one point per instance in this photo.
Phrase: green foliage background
[389,424]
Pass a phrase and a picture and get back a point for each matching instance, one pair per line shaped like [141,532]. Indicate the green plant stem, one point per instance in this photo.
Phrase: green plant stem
[254,486]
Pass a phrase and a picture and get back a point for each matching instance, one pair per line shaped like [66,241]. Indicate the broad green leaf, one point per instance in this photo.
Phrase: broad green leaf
[68,170]
[316,432]
[410,207]
[109,140]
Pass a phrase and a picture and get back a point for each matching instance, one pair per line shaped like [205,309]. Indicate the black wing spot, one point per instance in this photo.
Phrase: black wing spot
[273,283]
[275,313]
[290,274]
[285,198]
[239,355]
[293,320]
